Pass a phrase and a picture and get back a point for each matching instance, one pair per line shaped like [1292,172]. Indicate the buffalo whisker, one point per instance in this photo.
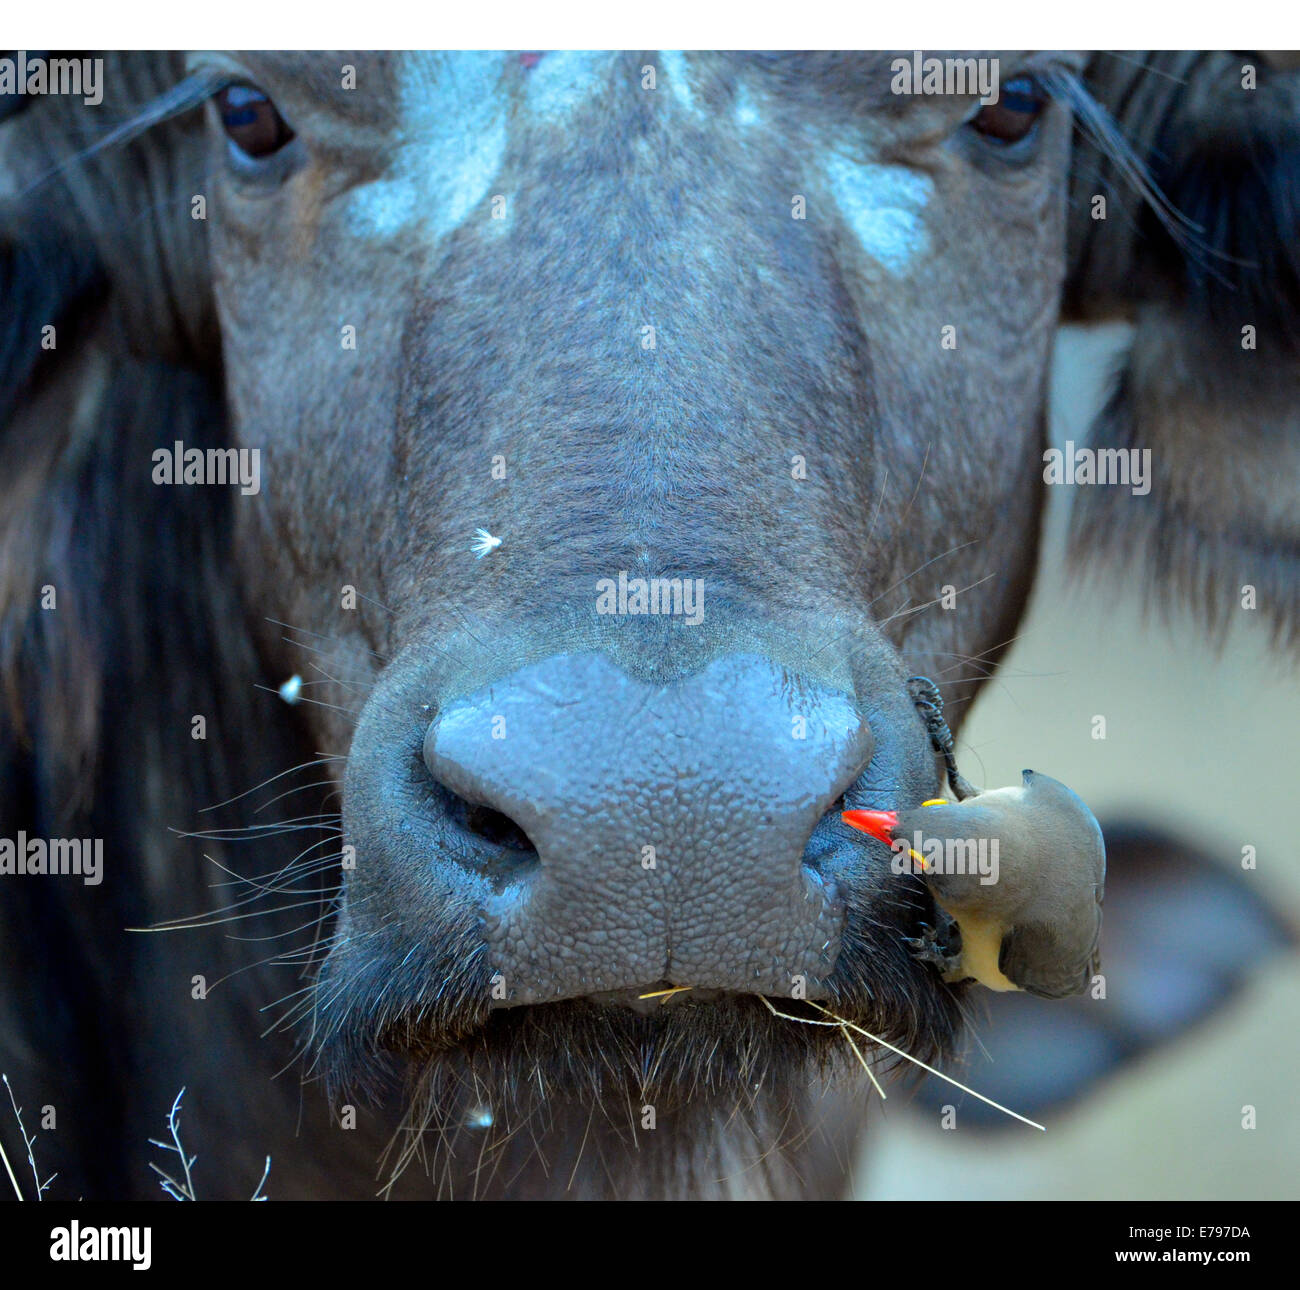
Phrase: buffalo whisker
[320,757]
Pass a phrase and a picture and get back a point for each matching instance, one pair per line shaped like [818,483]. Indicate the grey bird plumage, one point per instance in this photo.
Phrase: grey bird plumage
[1035,923]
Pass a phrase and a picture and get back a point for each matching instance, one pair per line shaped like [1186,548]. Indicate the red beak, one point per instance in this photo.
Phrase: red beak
[880,824]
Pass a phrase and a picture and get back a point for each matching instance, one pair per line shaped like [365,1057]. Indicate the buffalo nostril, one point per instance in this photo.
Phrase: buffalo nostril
[492,826]
[485,840]
[486,828]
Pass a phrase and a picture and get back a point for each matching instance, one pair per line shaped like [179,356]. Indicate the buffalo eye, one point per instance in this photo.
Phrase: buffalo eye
[251,122]
[1011,118]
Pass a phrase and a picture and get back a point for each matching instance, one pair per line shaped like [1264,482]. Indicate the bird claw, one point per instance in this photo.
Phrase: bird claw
[938,946]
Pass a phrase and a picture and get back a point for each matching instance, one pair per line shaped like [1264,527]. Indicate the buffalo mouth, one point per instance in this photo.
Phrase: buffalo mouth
[658,1042]
[601,1065]
[647,1000]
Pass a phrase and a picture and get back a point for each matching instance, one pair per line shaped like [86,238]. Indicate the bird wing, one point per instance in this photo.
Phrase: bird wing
[1049,961]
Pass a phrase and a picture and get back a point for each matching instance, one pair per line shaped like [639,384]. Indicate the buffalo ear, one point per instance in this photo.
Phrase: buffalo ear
[49,278]
[1182,937]
[1205,263]
[116,181]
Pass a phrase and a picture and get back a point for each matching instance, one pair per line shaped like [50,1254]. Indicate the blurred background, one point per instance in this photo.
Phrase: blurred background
[1202,743]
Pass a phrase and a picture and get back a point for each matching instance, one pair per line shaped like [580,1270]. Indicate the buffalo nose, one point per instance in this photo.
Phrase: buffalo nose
[669,822]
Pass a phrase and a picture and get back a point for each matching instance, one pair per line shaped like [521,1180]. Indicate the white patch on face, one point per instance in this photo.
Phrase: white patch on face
[452,142]
[745,110]
[566,79]
[884,206]
[672,63]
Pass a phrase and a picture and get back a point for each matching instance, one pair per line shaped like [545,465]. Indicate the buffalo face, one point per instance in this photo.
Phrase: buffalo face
[756,338]
[632,428]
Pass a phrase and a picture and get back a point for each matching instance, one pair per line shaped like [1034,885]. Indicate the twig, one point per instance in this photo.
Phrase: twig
[857,1052]
[174,1189]
[27,1142]
[9,1169]
[265,1174]
[185,1190]
[843,1022]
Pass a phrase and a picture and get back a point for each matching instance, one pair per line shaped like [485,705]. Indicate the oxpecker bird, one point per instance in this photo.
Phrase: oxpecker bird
[1020,871]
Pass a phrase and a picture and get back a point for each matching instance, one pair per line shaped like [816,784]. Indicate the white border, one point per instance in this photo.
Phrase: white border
[650,24]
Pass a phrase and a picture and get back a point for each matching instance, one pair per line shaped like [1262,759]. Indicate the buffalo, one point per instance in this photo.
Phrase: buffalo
[469,525]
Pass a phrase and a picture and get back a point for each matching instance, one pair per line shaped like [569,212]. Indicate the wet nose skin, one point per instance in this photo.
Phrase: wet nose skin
[670,822]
